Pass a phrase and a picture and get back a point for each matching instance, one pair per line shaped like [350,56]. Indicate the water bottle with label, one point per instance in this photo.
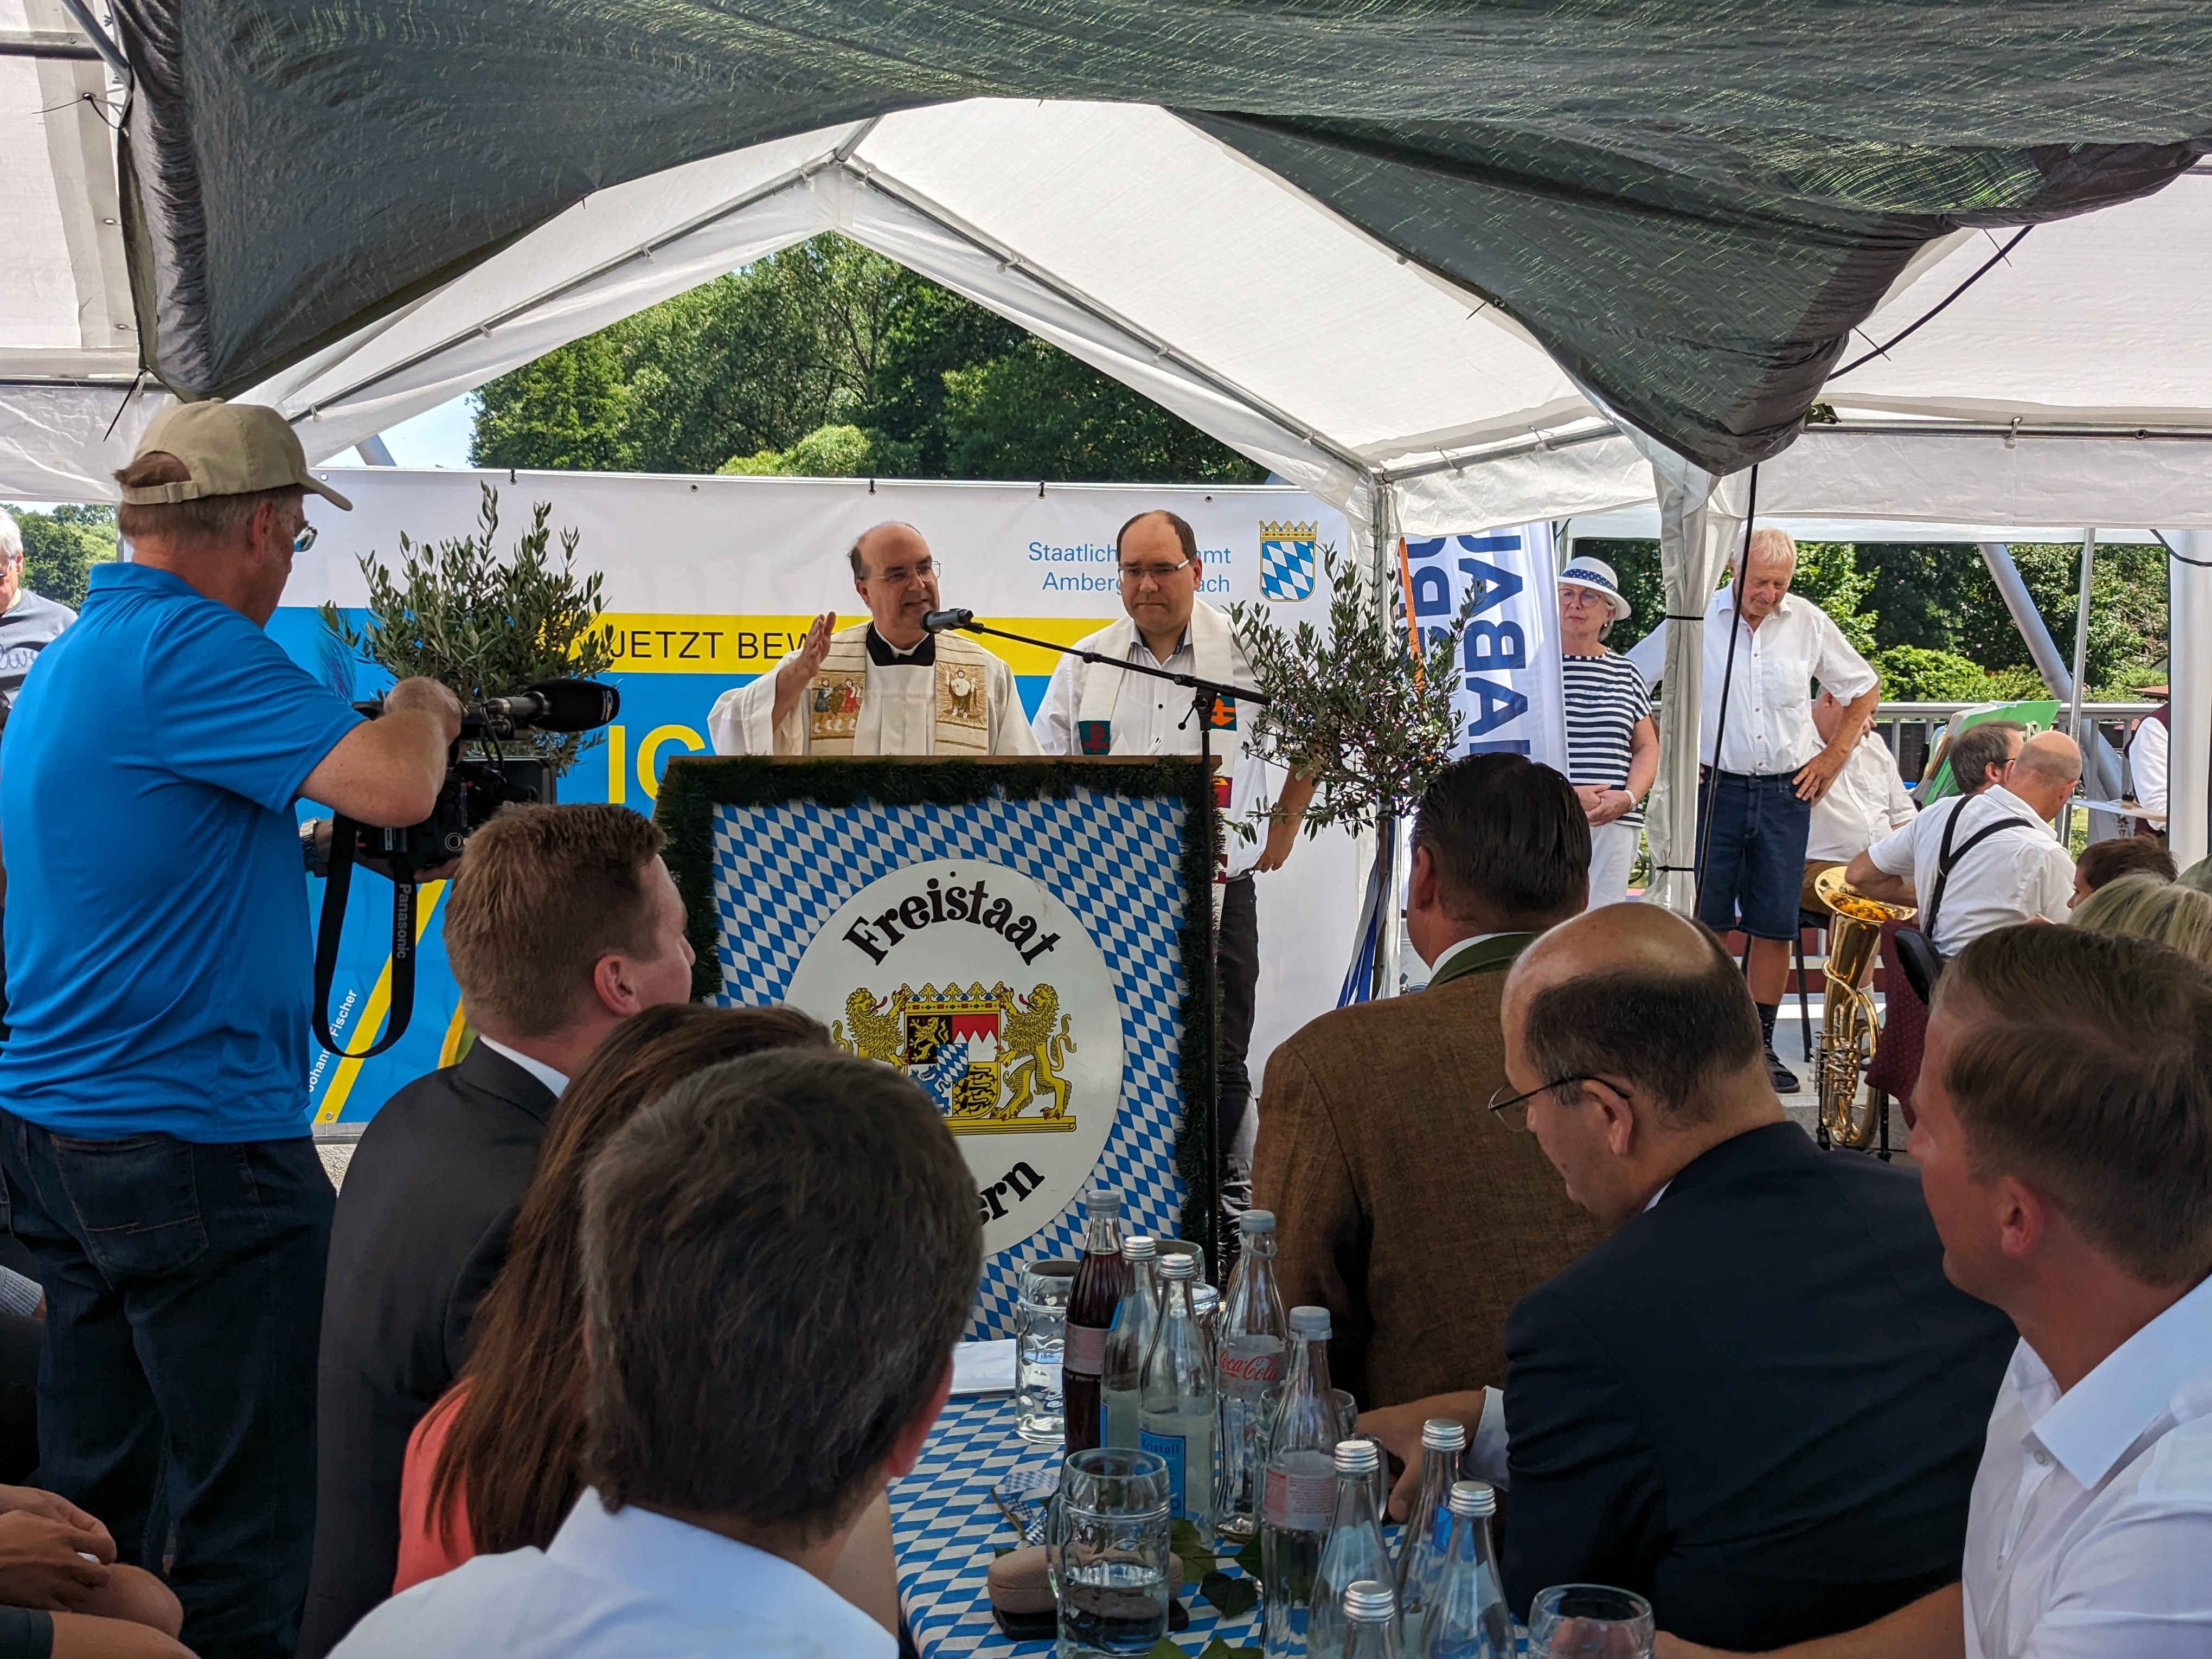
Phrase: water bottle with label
[1421,1549]
[1177,1421]
[1355,1549]
[1466,1617]
[1100,1279]
[1251,1342]
[1128,1342]
[1298,1486]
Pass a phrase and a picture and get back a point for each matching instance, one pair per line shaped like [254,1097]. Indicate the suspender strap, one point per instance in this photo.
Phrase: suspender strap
[1947,860]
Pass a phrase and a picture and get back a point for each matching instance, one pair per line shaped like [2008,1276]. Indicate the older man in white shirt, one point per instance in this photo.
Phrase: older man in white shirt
[738,1421]
[2004,862]
[1865,803]
[2064,1143]
[1774,763]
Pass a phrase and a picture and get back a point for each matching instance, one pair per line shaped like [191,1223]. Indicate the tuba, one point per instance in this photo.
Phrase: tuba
[1847,1026]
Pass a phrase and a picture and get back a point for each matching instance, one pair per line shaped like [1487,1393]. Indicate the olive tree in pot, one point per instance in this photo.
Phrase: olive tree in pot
[487,626]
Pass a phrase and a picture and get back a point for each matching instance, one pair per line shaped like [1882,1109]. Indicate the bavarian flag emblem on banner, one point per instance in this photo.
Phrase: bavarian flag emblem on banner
[1286,559]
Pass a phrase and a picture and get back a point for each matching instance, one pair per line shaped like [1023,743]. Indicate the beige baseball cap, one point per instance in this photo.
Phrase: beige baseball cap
[231,449]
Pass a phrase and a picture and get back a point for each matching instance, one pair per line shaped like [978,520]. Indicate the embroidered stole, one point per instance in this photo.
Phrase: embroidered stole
[1212,648]
[962,711]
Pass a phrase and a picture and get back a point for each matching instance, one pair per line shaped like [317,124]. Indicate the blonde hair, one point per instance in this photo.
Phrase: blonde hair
[2150,909]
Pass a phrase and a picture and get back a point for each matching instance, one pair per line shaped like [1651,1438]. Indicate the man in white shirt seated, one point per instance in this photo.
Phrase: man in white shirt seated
[2064,1143]
[1865,803]
[887,687]
[2005,864]
[778,1257]
[2147,757]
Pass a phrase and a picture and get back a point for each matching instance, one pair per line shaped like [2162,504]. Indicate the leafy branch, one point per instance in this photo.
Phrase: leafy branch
[1369,719]
[481,625]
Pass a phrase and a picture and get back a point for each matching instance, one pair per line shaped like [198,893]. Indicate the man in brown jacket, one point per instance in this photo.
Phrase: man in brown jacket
[1403,1205]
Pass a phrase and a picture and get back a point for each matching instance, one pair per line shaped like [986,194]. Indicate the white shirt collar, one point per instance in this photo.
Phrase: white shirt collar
[1137,644]
[2091,1426]
[1652,1202]
[679,1562]
[1456,948]
[555,1081]
[2005,801]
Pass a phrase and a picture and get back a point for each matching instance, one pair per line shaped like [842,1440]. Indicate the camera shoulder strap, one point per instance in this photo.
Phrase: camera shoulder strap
[343,834]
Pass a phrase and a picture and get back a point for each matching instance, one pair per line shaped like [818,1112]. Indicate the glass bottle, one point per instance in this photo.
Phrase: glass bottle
[1176,1422]
[1466,1617]
[1371,1626]
[1251,1343]
[1354,1551]
[1122,1384]
[1100,1279]
[1299,1488]
[1421,1548]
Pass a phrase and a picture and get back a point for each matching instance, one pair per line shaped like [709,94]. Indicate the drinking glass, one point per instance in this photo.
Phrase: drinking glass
[1040,1344]
[1108,1554]
[1590,1621]
[1347,1422]
[1195,1252]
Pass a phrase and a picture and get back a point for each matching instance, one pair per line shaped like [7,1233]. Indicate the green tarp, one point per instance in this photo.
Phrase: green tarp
[1689,205]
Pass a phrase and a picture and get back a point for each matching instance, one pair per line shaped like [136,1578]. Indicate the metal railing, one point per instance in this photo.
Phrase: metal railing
[1909,728]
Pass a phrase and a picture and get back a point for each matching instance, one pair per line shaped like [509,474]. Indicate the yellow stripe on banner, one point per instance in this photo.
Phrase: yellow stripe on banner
[657,642]
[372,1014]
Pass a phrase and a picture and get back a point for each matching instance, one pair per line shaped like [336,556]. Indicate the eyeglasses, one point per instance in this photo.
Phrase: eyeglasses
[898,575]
[1513,1111]
[1135,576]
[305,539]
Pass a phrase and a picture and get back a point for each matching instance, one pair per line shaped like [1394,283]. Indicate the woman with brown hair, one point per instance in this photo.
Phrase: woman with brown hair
[496,1464]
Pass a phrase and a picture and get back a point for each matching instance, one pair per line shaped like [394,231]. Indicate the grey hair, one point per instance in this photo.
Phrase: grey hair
[852,553]
[11,538]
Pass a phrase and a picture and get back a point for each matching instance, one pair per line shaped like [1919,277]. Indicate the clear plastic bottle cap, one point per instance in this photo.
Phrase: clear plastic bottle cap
[1258,1221]
[1369,1602]
[1309,1322]
[1471,1498]
[1444,1434]
[1138,1247]
[1103,1200]
[1358,1457]
[1175,1265]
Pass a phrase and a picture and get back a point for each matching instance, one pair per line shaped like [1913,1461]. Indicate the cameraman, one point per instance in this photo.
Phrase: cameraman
[154,1140]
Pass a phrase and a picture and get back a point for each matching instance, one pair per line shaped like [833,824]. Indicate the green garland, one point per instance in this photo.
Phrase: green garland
[695,784]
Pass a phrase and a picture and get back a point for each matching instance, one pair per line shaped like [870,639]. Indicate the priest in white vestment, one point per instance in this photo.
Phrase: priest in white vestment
[888,687]
[1090,708]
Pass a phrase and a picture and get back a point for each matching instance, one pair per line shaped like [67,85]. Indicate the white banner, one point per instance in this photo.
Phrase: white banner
[709,581]
[1509,689]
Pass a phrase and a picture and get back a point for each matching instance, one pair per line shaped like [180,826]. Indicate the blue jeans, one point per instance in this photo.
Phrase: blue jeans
[177,1392]
[1752,869]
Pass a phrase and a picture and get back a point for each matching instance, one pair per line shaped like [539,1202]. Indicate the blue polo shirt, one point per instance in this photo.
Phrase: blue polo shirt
[159,964]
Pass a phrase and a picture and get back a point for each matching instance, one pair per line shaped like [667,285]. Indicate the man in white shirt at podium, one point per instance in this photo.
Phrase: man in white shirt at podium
[888,687]
[1092,709]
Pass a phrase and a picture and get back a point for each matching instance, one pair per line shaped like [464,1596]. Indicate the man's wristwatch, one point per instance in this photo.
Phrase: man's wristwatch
[308,855]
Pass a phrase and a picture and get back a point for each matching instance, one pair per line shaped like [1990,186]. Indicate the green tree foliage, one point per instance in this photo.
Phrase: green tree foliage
[772,369]
[61,547]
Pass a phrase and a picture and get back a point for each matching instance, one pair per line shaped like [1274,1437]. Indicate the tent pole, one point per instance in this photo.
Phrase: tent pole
[1389,955]
[2189,655]
[2101,764]
[2081,667]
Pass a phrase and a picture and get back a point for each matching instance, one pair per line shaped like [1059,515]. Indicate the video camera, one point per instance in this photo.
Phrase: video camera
[475,789]
[472,792]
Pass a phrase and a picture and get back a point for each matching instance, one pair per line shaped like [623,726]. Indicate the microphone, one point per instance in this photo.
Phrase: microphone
[936,621]
[557,706]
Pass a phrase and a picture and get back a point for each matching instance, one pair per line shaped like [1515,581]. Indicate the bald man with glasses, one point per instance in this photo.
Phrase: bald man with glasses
[1090,709]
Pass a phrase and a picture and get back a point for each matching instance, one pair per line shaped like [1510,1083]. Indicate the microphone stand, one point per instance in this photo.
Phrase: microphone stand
[1204,694]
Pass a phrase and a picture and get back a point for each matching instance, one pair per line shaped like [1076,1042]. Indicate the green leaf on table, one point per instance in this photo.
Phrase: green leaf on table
[1183,1538]
[1231,1598]
[1248,1559]
[1164,1649]
[1219,1648]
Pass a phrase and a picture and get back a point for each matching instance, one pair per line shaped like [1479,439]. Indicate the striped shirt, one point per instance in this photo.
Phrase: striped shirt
[1606,697]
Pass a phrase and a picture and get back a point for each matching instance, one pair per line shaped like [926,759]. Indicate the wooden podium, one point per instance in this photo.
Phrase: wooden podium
[1015,934]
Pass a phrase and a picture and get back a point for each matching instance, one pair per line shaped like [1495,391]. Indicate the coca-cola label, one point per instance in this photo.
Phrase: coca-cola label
[1248,1373]
[1086,1350]
[1297,1503]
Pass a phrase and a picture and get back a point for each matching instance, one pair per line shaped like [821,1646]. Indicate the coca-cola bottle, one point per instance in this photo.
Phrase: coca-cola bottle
[1099,1282]
[1250,1341]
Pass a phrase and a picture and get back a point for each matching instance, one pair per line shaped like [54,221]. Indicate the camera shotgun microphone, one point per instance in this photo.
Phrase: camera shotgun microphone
[557,706]
[936,621]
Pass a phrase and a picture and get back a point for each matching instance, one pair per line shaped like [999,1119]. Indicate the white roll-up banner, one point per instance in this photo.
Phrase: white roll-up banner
[1508,690]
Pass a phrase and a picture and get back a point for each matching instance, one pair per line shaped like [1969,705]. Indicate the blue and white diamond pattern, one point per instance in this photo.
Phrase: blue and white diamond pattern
[780,871]
[1286,567]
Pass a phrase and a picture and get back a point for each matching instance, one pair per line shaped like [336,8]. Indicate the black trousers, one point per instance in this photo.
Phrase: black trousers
[1238,969]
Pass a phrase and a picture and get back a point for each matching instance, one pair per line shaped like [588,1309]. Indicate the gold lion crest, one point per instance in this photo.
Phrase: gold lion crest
[991,1059]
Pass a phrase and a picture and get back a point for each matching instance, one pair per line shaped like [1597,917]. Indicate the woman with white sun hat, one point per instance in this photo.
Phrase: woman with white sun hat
[1613,742]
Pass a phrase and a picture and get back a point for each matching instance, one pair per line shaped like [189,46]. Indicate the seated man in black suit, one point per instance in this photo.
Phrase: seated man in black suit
[562,923]
[1759,1402]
